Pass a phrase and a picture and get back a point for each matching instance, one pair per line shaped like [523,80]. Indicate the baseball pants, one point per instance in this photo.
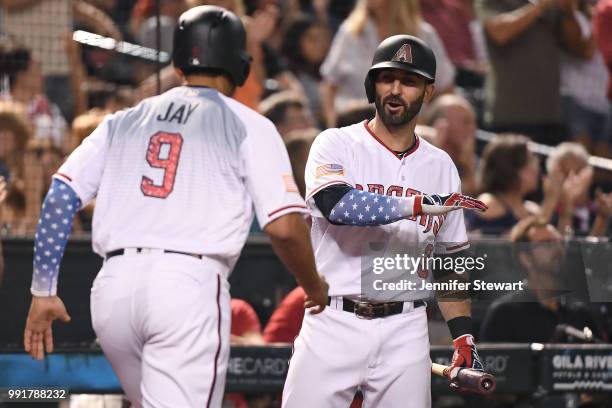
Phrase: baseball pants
[163,322]
[336,352]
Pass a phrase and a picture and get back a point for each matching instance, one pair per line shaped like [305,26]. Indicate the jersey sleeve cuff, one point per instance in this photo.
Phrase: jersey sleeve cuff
[70,183]
[451,249]
[279,212]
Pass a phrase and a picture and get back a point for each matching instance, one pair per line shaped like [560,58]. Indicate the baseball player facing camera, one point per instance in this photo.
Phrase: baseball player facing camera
[176,180]
[376,181]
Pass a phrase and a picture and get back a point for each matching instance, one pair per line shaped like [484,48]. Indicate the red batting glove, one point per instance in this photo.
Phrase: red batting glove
[465,356]
[438,204]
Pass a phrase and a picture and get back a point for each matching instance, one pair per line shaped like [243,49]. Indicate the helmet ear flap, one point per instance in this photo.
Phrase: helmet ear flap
[370,88]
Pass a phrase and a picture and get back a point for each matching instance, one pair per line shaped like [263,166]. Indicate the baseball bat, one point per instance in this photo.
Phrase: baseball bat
[476,381]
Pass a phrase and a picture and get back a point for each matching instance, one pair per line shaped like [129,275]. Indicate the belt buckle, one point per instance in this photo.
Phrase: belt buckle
[364,310]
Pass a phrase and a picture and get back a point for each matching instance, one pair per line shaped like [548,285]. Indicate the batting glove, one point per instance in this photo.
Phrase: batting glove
[465,356]
[437,204]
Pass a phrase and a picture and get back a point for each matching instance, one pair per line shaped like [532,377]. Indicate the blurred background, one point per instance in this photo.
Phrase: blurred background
[523,106]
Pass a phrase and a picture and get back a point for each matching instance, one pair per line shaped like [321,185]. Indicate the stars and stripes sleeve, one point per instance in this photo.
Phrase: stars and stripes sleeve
[54,225]
[362,208]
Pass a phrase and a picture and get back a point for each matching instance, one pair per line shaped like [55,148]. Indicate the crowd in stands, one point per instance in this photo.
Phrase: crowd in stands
[528,71]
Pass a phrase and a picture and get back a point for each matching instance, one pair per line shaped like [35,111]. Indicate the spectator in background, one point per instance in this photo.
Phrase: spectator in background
[576,213]
[353,46]
[298,145]
[26,86]
[508,172]
[246,328]
[452,20]
[539,304]
[40,26]
[288,111]
[583,89]
[522,88]
[602,23]
[143,22]
[455,122]
[305,46]
[19,213]
[286,321]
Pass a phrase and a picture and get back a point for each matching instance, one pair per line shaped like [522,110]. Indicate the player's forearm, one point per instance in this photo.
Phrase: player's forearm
[363,209]
[505,27]
[290,240]
[59,208]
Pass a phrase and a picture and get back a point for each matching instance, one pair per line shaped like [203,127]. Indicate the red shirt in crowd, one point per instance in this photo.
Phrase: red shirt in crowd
[244,318]
[286,321]
[452,23]
[603,32]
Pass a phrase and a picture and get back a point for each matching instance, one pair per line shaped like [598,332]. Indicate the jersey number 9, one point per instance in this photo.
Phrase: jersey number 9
[169,162]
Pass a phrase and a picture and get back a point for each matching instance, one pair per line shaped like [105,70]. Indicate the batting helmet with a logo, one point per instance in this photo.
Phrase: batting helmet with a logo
[211,38]
[403,52]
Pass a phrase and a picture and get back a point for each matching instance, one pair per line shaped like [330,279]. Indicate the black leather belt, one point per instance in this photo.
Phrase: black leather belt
[366,310]
[121,251]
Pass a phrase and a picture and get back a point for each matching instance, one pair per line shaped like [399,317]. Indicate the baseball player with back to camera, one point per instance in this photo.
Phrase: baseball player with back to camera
[176,179]
[371,182]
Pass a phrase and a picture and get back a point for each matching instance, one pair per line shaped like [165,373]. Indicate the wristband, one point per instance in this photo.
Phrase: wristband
[460,326]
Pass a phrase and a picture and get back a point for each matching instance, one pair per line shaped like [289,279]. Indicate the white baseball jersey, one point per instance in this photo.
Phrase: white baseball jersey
[353,155]
[182,171]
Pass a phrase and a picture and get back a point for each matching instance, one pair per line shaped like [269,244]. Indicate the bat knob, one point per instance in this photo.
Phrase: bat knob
[487,384]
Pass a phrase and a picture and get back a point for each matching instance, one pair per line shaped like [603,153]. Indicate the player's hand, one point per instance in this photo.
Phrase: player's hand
[465,356]
[316,300]
[38,336]
[437,204]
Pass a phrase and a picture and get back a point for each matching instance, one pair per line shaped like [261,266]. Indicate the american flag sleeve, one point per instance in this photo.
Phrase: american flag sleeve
[54,225]
[363,209]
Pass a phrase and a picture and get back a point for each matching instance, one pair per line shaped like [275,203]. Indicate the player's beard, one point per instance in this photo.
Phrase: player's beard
[396,120]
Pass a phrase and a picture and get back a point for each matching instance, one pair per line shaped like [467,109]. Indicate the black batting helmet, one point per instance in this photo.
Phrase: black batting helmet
[210,37]
[403,52]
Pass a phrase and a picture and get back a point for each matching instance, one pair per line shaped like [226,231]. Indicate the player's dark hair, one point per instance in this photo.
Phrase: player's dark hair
[502,160]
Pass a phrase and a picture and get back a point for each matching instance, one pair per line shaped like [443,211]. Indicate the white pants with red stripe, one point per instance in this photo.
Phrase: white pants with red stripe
[163,322]
[336,352]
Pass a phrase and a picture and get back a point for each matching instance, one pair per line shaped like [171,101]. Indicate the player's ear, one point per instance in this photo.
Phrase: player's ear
[429,91]
[179,72]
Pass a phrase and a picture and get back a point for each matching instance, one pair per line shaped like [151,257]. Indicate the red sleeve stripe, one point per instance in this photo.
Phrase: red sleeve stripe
[322,186]
[64,176]
[459,246]
[303,207]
